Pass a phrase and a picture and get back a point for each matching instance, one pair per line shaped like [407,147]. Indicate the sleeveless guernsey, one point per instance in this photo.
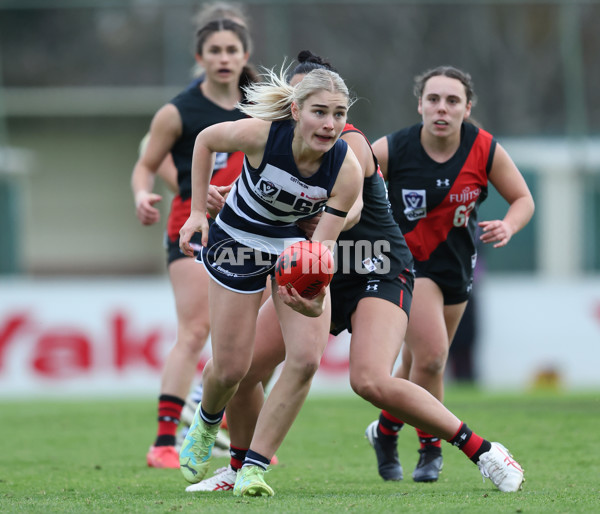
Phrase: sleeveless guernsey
[375,243]
[263,206]
[436,204]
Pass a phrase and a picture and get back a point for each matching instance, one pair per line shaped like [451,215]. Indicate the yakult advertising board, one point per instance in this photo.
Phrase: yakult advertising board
[110,337]
[102,337]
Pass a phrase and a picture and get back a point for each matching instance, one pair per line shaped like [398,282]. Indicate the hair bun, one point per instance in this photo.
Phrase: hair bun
[308,56]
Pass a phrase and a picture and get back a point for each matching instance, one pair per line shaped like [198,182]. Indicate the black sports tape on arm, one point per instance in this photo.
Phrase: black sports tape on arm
[335,212]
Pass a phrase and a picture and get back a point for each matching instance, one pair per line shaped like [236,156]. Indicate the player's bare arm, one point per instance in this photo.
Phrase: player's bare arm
[511,185]
[164,130]
[381,151]
[344,194]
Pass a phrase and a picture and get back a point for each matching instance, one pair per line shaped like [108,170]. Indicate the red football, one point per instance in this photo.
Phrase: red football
[305,265]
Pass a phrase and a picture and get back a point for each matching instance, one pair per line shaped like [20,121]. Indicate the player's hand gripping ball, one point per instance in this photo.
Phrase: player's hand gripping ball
[307,266]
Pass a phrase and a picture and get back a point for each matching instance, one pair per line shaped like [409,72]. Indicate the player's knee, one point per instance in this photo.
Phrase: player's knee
[257,374]
[305,367]
[193,337]
[229,376]
[366,388]
[308,369]
[434,363]
[199,333]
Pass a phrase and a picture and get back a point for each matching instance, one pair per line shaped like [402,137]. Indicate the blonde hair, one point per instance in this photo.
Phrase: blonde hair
[272,99]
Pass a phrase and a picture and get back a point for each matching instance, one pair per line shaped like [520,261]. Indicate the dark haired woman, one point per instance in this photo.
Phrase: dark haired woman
[222,50]
[438,173]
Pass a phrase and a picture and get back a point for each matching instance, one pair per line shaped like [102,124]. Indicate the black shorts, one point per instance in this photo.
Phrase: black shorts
[454,289]
[348,290]
[235,266]
[174,252]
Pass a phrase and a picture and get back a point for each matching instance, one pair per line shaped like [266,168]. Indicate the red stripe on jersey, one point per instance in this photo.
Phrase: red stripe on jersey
[454,210]
[180,212]
[230,172]
[180,209]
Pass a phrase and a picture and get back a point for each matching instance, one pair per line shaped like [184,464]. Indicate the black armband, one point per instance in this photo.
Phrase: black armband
[335,212]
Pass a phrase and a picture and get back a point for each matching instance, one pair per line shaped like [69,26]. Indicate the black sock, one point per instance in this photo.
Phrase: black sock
[389,426]
[169,414]
[256,459]
[470,443]
[237,457]
[211,419]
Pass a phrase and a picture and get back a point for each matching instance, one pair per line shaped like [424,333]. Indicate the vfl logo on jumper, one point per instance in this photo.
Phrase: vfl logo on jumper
[267,190]
[442,182]
[415,204]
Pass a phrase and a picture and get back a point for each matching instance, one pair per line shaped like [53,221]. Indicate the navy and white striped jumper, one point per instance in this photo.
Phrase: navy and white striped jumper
[263,206]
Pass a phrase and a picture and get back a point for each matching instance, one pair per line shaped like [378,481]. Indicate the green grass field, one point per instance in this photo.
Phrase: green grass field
[76,456]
